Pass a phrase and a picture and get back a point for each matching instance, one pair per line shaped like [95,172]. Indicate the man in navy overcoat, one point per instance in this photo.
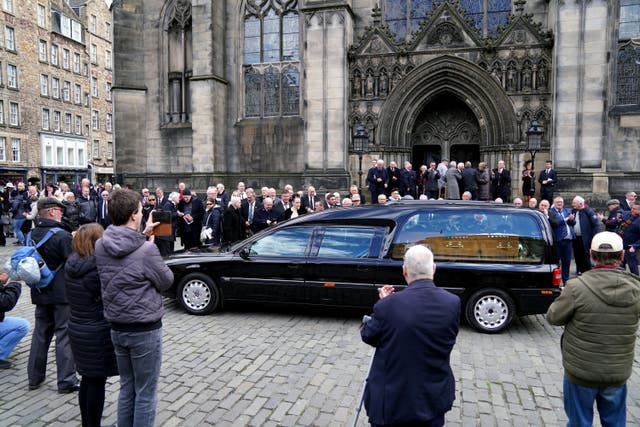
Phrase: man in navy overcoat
[414,331]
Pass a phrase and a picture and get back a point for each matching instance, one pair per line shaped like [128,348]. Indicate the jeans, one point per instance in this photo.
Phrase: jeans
[611,403]
[12,330]
[139,355]
[17,225]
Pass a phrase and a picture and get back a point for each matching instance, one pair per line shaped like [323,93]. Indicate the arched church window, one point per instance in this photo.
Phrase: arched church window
[628,71]
[179,61]
[403,17]
[271,58]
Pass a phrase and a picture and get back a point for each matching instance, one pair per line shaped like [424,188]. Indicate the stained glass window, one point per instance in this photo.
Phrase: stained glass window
[403,17]
[628,81]
[271,54]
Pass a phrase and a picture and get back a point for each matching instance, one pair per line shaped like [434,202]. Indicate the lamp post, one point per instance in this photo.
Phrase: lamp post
[360,146]
[534,142]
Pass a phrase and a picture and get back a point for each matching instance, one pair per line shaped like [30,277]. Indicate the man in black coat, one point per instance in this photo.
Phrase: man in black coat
[547,180]
[52,307]
[501,183]
[410,381]
[233,225]
[393,172]
[408,181]
[12,329]
[377,180]
[469,182]
[587,225]
[103,210]
[190,213]
[265,217]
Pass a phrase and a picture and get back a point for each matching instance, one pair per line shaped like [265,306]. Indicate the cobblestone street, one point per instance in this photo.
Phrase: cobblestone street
[256,367]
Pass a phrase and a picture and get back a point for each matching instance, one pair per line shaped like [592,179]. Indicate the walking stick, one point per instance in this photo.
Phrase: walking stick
[364,386]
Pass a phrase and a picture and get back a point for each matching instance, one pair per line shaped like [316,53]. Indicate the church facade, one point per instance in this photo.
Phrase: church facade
[271,92]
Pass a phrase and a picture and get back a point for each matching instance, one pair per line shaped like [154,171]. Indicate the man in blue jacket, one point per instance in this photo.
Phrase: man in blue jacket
[411,381]
[562,221]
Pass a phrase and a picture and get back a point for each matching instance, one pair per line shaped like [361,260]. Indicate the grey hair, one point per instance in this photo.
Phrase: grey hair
[579,200]
[418,262]
[174,195]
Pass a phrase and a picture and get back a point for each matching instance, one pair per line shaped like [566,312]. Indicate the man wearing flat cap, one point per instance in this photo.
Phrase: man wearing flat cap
[613,220]
[599,311]
[52,307]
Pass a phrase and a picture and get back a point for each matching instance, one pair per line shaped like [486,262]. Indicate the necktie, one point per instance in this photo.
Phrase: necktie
[104,209]
[250,212]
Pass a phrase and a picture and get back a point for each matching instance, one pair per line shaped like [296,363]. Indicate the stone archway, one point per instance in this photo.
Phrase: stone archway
[449,76]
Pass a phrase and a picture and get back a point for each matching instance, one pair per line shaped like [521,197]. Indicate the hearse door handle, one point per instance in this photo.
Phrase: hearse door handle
[294,266]
[362,268]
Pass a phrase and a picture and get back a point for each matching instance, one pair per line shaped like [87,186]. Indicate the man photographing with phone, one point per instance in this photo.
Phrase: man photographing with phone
[413,331]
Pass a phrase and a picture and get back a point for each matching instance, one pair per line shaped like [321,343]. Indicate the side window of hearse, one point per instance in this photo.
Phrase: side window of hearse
[349,242]
[287,242]
[472,235]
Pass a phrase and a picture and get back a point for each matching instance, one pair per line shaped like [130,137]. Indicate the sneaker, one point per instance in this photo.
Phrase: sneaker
[4,364]
[68,390]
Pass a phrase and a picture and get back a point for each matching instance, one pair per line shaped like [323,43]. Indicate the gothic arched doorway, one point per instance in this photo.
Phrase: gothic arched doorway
[445,128]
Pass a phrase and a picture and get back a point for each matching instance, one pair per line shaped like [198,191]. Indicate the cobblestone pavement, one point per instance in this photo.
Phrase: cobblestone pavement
[284,367]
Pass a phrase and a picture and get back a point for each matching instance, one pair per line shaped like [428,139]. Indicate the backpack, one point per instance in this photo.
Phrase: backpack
[27,265]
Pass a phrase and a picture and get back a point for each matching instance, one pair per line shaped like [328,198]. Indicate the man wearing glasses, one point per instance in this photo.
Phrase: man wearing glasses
[630,199]
[52,307]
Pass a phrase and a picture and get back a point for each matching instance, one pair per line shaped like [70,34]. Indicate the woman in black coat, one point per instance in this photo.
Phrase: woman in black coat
[89,332]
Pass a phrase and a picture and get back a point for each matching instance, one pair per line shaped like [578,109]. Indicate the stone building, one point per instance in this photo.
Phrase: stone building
[271,91]
[45,91]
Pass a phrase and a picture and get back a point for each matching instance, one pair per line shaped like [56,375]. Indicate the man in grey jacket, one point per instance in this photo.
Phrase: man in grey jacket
[132,275]
[600,312]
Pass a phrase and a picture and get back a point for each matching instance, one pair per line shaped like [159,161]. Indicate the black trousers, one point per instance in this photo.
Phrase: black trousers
[91,400]
[579,254]
[51,319]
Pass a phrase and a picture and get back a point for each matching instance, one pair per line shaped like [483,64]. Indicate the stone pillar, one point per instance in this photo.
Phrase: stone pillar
[328,34]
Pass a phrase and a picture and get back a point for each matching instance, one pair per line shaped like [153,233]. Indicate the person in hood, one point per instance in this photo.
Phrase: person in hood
[599,311]
[89,332]
[132,276]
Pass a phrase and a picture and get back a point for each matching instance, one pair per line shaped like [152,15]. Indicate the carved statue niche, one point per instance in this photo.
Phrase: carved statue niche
[357,84]
[526,77]
[369,84]
[542,75]
[383,85]
[496,72]
[512,77]
[396,76]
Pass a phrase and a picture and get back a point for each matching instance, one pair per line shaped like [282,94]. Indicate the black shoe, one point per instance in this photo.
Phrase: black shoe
[4,364]
[68,390]
[35,386]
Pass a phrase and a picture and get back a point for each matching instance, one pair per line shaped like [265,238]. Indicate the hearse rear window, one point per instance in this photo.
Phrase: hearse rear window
[350,242]
[472,235]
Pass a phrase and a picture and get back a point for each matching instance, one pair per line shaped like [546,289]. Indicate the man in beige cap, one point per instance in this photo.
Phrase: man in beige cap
[599,311]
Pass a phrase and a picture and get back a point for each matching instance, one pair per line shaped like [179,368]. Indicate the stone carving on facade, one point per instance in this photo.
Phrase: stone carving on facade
[180,14]
[445,34]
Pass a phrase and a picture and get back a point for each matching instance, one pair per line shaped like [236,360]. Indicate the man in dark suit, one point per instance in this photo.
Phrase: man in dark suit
[377,180]
[408,181]
[410,381]
[562,221]
[103,209]
[587,225]
[469,182]
[394,177]
[547,180]
[248,209]
[190,213]
[310,199]
[265,216]
[628,201]
[501,182]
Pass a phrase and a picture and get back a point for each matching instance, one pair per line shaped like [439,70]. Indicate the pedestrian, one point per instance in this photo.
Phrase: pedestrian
[599,311]
[132,276]
[413,331]
[528,181]
[547,180]
[629,230]
[12,329]
[89,332]
[52,307]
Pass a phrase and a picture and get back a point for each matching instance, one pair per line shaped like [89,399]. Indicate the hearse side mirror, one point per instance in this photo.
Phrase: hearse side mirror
[245,252]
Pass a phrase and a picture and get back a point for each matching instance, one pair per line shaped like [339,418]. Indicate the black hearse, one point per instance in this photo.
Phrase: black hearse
[499,259]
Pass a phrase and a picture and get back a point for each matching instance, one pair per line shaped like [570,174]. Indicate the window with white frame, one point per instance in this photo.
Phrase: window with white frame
[96,149]
[107,31]
[66,91]
[109,122]
[15,149]
[81,159]
[77,94]
[3,145]
[76,31]
[55,87]
[109,150]
[54,55]
[107,90]
[60,153]
[65,59]
[56,121]
[1,112]
[107,59]
[42,50]
[42,16]
[14,114]
[7,5]
[9,38]
[95,120]
[76,62]
[94,87]
[44,85]
[93,24]
[45,119]
[67,122]
[12,76]
[47,158]
[71,156]
[78,125]
[94,54]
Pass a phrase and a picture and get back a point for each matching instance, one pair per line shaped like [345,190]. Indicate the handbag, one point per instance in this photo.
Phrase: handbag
[4,219]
